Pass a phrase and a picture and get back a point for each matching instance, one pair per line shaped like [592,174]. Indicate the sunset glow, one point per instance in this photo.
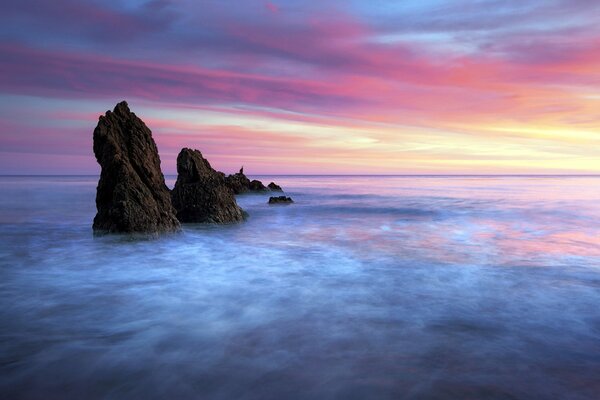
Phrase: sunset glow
[299,87]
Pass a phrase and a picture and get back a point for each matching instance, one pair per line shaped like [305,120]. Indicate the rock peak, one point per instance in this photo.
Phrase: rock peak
[122,108]
[191,165]
[132,196]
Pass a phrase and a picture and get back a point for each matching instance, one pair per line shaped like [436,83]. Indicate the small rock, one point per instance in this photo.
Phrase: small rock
[240,183]
[274,187]
[257,186]
[280,200]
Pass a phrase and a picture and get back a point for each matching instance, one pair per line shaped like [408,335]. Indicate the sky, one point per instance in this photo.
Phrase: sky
[307,87]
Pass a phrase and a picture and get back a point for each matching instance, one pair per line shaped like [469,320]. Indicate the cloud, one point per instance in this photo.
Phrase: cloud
[486,71]
[271,7]
[43,73]
[85,21]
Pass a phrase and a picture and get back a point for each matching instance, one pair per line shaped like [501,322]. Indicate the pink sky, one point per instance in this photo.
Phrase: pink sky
[353,87]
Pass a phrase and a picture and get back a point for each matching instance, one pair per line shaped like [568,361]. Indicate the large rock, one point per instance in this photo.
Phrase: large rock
[201,194]
[132,196]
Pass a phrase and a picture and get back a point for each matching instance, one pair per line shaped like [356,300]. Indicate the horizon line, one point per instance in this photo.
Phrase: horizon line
[340,175]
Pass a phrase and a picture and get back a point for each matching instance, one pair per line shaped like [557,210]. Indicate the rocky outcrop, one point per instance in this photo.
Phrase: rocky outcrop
[280,200]
[240,183]
[201,194]
[257,186]
[274,187]
[131,196]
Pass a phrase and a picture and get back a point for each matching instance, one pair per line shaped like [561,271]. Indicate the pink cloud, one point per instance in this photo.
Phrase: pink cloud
[271,7]
[320,69]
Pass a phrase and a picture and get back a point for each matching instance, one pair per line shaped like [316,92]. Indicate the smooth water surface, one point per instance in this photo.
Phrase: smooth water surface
[366,287]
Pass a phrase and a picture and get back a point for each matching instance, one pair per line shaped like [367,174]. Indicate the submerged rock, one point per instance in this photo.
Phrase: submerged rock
[201,194]
[280,200]
[274,187]
[132,196]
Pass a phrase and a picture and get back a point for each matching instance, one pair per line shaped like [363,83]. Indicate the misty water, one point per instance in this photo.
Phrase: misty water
[366,287]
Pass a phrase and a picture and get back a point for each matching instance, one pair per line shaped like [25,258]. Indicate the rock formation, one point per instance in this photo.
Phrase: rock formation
[131,195]
[257,186]
[274,187]
[280,200]
[201,194]
[240,183]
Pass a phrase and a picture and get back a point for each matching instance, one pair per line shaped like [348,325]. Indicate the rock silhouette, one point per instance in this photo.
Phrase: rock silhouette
[274,187]
[201,194]
[131,196]
[240,183]
[257,186]
[280,200]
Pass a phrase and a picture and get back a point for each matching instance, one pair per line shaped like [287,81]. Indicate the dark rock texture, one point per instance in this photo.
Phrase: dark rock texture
[274,187]
[280,200]
[131,196]
[200,193]
[239,183]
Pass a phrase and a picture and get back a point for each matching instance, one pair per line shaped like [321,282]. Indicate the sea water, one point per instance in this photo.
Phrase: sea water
[431,287]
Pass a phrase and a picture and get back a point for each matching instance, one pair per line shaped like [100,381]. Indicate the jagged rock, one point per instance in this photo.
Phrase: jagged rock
[274,187]
[200,193]
[280,200]
[131,196]
[240,183]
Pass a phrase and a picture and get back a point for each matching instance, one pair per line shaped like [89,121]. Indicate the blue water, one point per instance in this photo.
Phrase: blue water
[366,287]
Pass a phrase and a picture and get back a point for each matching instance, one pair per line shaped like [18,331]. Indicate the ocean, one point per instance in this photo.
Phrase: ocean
[378,287]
